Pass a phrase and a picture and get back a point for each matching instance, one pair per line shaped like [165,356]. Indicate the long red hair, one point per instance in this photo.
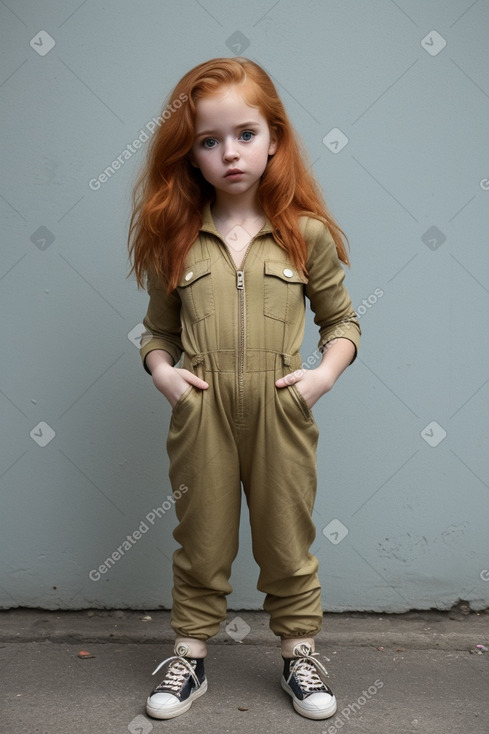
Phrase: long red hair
[169,194]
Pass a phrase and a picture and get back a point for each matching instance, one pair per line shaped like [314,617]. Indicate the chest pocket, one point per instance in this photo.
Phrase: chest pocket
[283,290]
[196,291]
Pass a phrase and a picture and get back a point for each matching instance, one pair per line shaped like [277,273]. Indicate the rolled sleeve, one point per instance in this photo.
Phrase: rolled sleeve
[329,298]
[162,323]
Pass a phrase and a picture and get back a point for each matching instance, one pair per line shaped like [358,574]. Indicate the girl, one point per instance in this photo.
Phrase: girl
[229,232]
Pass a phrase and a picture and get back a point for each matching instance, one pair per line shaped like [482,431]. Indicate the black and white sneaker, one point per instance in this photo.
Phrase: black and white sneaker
[303,679]
[184,681]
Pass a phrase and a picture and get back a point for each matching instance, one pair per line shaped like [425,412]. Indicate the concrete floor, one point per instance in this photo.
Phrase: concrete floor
[431,684]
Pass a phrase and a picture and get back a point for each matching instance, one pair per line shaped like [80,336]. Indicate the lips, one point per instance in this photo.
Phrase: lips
[233,172]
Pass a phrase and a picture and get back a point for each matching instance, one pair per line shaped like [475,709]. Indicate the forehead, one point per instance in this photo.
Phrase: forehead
[226,106]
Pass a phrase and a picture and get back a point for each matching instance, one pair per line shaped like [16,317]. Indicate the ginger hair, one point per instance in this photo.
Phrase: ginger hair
[169,193]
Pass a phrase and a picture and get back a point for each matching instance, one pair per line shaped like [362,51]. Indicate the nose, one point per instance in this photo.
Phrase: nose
[230,151]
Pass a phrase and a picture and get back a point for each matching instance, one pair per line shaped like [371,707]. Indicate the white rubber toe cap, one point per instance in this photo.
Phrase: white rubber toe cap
[165,705]
[316,706]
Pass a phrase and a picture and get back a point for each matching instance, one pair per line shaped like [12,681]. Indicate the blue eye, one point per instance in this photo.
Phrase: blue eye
[247,135]
[209,142]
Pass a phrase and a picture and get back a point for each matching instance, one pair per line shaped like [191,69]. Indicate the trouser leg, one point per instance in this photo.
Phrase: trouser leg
[203,458]
[279,477]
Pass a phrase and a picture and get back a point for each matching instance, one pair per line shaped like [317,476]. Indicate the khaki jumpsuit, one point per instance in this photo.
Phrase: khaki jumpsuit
[240,330]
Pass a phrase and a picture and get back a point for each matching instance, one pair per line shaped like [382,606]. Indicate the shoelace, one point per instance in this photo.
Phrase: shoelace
[177,672]
[306,668]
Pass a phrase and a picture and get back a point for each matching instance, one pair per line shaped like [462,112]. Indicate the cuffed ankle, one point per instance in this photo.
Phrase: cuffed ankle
[190,647]
[289,643]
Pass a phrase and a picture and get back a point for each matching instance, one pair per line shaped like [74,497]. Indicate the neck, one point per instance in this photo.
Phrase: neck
[239,208]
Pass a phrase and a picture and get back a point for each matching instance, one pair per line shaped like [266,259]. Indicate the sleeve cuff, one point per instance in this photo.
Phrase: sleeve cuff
[349,330]
[155,343]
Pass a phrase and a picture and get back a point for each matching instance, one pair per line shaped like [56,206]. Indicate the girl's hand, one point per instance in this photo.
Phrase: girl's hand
[169,380]
[173,381]
[337,355]
[311,384]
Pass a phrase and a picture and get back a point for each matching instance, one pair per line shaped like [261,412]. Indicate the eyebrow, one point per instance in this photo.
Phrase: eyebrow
[241,126]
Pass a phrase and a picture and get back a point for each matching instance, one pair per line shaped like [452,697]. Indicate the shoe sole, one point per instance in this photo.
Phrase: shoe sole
[307,713]
[179,708]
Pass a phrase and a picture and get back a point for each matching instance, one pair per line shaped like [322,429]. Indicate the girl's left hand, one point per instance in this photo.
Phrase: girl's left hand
[312,384]
[337,355]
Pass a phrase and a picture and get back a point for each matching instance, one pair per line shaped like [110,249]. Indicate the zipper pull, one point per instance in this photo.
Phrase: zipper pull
[240,280]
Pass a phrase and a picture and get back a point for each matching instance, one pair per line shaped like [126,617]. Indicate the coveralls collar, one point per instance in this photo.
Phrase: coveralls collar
[209,226]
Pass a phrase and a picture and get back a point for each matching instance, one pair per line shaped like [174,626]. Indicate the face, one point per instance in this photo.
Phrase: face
[232,142]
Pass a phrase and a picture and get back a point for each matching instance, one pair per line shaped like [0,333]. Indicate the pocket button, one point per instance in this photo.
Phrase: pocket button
[189,275]
[288,273]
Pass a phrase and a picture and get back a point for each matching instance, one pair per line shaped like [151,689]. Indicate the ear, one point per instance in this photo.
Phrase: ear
[272,148]
[192,160]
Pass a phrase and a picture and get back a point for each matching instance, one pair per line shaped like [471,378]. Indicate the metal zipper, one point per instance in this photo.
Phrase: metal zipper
[241,337]
[240,287]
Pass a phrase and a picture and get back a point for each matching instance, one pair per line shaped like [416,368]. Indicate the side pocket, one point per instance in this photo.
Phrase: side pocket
[182,400]
[301,402]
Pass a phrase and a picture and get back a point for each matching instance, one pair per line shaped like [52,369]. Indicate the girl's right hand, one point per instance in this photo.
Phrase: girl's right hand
[173,381]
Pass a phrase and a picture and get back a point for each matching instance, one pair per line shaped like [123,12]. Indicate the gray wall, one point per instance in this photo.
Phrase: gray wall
[403,478]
